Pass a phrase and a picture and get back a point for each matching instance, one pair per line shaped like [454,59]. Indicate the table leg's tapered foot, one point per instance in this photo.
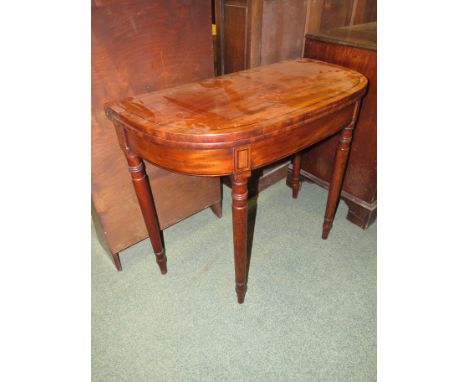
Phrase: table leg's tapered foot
[240,290]
[117,262]
[296,175]
[339,168]
[162,261]
[145,199]
[239,222]
[327,226]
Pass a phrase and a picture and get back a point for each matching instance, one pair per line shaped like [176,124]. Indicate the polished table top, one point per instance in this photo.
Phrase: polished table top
[246,104]
[233,124]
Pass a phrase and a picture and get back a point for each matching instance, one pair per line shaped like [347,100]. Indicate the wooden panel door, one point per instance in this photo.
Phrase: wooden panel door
[259,32]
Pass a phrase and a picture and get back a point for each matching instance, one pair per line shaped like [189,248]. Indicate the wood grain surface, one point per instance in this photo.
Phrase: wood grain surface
[250,104]
[360,183]
[140,46]
[236,123]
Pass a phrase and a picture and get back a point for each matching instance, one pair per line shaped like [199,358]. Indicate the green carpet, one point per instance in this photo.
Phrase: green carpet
[309,313]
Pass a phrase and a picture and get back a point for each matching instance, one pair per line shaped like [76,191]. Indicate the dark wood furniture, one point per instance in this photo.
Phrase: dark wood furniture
[139,46]
[353,47]
[259,32]
[234,124]
[326,15]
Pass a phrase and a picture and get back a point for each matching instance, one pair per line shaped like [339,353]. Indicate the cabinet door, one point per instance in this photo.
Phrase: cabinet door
[259,32]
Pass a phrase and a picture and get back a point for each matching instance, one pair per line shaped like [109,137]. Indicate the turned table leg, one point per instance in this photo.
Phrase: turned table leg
[145,199]
[239,223]
[339,168]
[296,174]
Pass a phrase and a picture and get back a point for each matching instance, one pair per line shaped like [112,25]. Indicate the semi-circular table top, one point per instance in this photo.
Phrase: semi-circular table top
[244,105]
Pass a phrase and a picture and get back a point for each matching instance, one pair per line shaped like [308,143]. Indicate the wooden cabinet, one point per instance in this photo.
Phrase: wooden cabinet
[354,47]
[259,32]
[326,15]
[139,46]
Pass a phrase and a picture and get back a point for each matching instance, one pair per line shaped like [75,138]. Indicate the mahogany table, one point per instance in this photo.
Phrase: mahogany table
[233,124]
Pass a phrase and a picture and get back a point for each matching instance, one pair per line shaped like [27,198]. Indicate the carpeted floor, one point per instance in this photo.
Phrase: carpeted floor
[309,313]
